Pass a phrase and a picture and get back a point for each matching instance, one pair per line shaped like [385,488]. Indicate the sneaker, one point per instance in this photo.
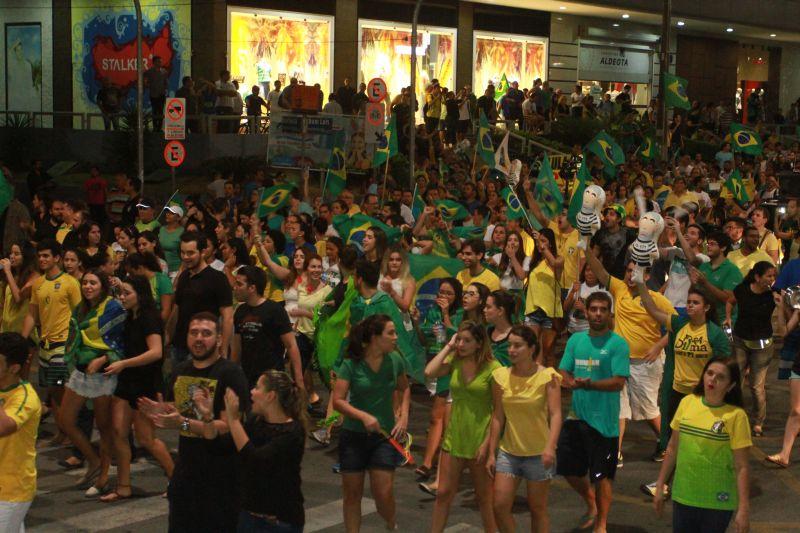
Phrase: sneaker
[650,489]
[321,436]
[620,463]
[658,457]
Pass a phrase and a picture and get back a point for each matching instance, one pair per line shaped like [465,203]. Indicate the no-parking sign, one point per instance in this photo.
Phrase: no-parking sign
[376,90]
[175,119]
[174,153]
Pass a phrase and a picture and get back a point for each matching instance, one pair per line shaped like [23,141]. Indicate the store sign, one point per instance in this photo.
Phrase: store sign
[614,64]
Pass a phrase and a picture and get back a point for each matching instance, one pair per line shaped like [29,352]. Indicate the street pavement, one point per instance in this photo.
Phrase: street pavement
[774,492]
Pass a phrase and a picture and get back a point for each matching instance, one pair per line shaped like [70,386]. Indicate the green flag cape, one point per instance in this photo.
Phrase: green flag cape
[607,149]
[331,329]
[546,191]
[387,146]
[485,147]
[576,201]
[274,198]
[744,140]
[675,91]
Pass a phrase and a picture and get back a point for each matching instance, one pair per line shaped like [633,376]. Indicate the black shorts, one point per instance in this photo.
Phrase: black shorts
[582,449]
[306,348]
[366,451]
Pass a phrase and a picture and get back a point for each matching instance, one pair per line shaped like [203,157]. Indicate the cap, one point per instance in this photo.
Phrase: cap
[145,203]
[174,209]
[618,208]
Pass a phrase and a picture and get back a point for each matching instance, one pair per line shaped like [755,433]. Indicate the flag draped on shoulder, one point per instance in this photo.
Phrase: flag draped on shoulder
[274,198]
[546,191]
[744,140]
[675,91]
[584,179]
[735,184]
[485,146]
[336,177]
[606,148]
[387,145]
[501,89]
[330,330]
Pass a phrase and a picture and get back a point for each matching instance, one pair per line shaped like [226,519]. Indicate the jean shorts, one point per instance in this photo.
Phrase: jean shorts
[528,468]
[794,375]
[366,451]
[539,318]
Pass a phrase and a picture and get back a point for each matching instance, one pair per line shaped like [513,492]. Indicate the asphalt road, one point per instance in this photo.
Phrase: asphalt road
[775,493]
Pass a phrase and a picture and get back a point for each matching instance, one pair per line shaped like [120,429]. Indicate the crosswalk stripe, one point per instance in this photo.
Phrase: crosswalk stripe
[330,514]
[462,528]
[134,511]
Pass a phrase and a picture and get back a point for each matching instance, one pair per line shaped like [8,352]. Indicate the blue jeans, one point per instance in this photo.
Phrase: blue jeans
[249,523]
[688,519]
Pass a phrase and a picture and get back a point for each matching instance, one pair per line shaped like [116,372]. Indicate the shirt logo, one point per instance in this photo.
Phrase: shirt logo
[58,285]
[723,496]
[718,426]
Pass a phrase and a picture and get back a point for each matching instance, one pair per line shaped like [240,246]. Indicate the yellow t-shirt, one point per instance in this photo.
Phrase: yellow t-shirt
[631,320]
[544,292]
[525,406]
[745,262]
[18,450]
[487,277]
[308,301]
[13,313]
[692,347]
[274,290]
[567,246]
[769,243]
[55,298]
[62,232]
[320,245]
[674,199]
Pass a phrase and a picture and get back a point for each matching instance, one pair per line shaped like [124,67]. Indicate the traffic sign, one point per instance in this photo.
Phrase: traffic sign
[376,90]
[175,119]
[174,153]
[376,113]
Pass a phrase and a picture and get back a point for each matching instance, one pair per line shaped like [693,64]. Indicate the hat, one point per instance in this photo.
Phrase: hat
[175,210]
[145,203]
[618,208]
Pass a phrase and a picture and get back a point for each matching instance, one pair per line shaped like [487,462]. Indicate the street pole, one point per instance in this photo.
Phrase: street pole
[662,104]
[412,138]
[139,99]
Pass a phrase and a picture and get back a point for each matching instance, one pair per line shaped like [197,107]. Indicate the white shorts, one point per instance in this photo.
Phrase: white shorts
[639,397]
[12,516]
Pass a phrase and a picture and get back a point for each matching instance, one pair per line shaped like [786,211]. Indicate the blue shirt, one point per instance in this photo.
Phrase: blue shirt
[596,358]
[789,276]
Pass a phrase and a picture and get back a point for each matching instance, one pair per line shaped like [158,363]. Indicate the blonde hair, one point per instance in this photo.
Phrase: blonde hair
[481,336]
[405,268]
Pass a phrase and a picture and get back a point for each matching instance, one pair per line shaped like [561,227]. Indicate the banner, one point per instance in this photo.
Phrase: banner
[265,46]
[104,46]
[289,146]
[23,67]
[521,59]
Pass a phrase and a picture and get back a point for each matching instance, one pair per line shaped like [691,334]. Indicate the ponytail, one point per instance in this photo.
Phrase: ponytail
[291,397]
[759,269]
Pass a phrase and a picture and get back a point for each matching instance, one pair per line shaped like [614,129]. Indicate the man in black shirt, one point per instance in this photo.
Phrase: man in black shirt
[204,490]
[262,332]
[613,240]
[344,95]
[199,288]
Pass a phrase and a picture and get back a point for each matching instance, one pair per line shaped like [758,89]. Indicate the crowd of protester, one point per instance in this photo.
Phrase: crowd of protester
[200,317]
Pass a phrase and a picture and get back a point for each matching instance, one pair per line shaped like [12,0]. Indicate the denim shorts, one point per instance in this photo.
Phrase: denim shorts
[528,468]
[366,451]
[539,318]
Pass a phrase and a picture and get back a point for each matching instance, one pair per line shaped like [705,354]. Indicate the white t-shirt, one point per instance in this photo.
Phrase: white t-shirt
[332,108]
[225,101]
[463,110]
[679,281]
[509,280]
[577,99]
[272,100]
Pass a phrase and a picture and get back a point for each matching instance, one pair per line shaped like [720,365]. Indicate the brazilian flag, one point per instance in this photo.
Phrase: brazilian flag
[274,198]
[485,146]
[424,268]
[745,140]
[649,149]
[501,90]
[451,210]
[675,90]
[336,177]
[468,232]
[331,328]
[515,209]
[606,148]
[387,145]
[417,206]
[546,191]
[576,201]
[352,228]
[735,184]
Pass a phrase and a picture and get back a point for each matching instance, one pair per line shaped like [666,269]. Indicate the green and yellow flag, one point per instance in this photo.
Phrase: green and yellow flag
[745,140]
[515,210]
[427,267]
[6,193]
[352,228]
[274,198]
[501,89]
[418,205]
[649,149]
[735,184]
[576,201]
[546,191]
[387,146]
[485,147]
[675,91]
[336,177]
[451,210]
[606,148]
[468,232]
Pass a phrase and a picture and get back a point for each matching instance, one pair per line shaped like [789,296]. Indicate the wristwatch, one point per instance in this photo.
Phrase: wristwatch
[185,424]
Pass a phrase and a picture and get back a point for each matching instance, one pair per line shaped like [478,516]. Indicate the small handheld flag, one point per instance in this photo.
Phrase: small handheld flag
[745,140]
[6,192]
[502,161]
[546,191]
[274,198]
[576,202]
[451,210]
[606,148]
[336,177]
[485,147]
[515,210]
[501,89]
[387,144]
[675,91]
[735,184]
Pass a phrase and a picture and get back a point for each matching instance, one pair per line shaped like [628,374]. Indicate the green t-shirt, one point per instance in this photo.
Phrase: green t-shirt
[370,391]
[705,476]
[161,285]
[500,349]
[692,346]
[433,316]
[725,277]
[171,244]
[596,358]
[471,411]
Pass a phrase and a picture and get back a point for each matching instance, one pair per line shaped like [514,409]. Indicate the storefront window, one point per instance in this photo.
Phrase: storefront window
[521,59]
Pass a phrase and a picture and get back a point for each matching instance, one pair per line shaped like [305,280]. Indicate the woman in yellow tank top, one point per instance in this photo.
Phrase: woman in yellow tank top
[543,298]
[18,274]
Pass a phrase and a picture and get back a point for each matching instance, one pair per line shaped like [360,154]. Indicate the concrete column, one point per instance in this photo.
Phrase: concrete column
[209,38]
[346,46]
[464,67]
[62,61]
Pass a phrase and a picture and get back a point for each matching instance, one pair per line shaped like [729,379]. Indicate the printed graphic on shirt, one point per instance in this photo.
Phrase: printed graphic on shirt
[185,387]
[692,346]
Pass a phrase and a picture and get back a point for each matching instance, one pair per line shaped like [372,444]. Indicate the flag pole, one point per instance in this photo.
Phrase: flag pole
[385,174]
[324,186]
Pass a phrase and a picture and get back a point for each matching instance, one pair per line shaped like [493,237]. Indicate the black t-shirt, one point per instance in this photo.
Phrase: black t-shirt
[206,477]
[271,470]
[613,249]
[261,328]
[129,210]
[208,290]
[755,311]
[137,329]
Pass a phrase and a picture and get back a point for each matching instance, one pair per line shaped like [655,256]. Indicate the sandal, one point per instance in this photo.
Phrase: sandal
[95,491]
[776,460]
[115,496]
[587,521]
[427,489]
[89,477]
[423,472]
[66,465]
[758,431]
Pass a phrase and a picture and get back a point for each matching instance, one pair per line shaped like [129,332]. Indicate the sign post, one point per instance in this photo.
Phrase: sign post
[175,119]
[174,155]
